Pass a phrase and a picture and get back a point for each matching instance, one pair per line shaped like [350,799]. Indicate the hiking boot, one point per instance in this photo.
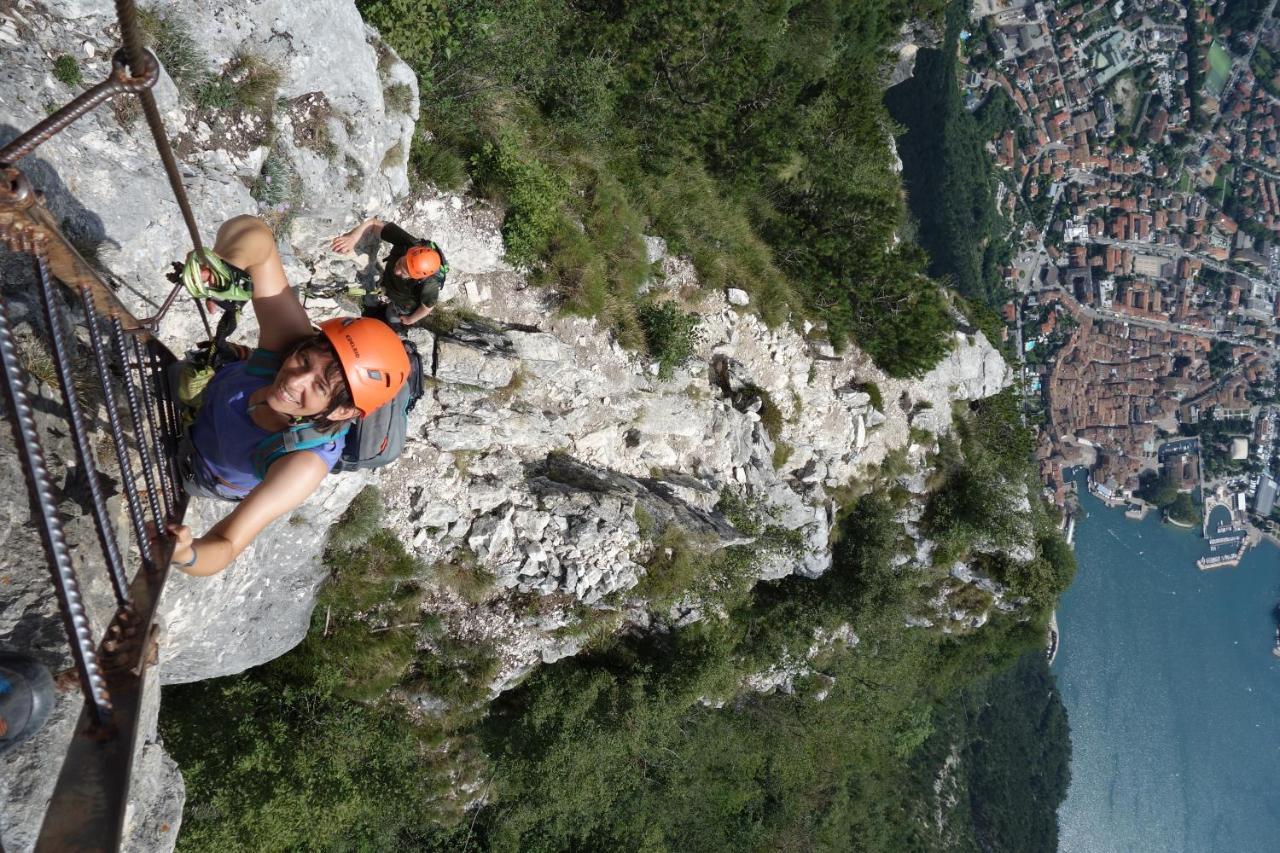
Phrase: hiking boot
[26,698]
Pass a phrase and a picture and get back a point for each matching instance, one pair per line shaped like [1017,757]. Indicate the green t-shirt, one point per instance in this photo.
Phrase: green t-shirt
[406,294]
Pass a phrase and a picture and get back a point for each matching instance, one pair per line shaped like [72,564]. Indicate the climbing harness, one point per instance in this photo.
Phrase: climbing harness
[88,805]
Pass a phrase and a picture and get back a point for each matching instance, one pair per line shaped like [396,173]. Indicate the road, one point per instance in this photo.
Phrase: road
[1118,317]
[1174,252]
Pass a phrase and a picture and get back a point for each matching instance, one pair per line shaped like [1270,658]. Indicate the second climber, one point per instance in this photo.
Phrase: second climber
[413,272]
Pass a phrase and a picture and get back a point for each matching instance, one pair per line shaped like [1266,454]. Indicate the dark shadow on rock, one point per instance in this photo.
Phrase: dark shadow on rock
[561,474]
[82,227]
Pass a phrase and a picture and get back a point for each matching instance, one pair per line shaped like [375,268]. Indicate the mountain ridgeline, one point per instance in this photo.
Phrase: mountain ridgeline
[865,709]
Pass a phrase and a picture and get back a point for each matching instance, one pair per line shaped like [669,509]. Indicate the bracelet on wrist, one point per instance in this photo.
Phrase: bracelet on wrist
[188,564]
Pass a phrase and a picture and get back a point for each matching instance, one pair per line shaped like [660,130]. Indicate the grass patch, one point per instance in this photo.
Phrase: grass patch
[355,175]
[126,112]
[278,191]
[434,164]
[248,83]
[462,575]
[687,209]
[66,70]
[37,359]
[595,257]
[166,32]
[398,97]
[312,116]
[1219,68]
[506,393]
[361,520]
[393,158]
[670,334]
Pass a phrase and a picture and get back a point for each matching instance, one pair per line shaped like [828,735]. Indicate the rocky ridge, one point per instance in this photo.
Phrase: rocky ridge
[544,451]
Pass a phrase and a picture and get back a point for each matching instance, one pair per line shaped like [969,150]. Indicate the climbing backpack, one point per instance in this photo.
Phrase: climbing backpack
[370,442]
[378,439]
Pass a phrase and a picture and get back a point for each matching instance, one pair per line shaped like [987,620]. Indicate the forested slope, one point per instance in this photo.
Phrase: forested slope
[751,136]
[802,713]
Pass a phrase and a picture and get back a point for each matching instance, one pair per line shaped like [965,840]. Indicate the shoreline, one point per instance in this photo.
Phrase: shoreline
[1136,509]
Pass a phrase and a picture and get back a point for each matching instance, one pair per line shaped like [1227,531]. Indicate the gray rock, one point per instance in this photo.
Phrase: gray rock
[474,353]
[737,297]
[560,473]
[260,606]
[655,248]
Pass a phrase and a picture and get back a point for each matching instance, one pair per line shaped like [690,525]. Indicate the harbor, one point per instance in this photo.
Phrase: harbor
[1171,681]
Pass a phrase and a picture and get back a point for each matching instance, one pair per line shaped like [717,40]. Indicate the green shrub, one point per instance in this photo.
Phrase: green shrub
[363,577]
[872,390]
[681,565]
[272,767]
[781,453]
[433,163]
[415,28]
[67,70]
[770,414]
[670,334]
[532,190]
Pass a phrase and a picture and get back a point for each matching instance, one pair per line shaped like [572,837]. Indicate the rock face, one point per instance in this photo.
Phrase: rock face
[102,178]
[543,451]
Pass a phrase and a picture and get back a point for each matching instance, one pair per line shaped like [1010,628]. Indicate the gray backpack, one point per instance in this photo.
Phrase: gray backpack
[370,442]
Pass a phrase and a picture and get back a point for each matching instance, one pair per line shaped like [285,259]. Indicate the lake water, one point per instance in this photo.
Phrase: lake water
[1172,692]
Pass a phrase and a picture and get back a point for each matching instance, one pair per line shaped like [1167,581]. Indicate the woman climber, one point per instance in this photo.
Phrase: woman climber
[297,376]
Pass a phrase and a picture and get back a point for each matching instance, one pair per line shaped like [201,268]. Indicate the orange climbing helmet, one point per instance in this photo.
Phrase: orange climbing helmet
[422,262]
[372,357]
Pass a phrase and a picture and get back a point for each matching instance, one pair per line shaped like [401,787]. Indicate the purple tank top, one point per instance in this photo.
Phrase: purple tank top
[224,434]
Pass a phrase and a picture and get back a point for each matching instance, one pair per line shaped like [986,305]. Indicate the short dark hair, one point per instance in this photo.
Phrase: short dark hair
[319,343]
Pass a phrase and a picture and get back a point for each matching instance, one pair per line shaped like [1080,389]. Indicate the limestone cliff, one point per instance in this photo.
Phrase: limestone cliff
[543,448]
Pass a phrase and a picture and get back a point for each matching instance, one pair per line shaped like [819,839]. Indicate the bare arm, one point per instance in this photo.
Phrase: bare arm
[247,242]
[416,314]
[346,243]
[289,482]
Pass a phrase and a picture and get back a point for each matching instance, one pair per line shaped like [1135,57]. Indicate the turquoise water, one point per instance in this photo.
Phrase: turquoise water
[1172,692]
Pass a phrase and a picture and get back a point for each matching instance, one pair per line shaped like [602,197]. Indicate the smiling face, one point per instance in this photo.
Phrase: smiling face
[307,384]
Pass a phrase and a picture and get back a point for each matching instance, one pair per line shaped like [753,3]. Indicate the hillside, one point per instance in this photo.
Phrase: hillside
[715,522]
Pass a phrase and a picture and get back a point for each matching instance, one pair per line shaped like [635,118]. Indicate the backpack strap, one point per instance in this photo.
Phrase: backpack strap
[303,436]
[264,362]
